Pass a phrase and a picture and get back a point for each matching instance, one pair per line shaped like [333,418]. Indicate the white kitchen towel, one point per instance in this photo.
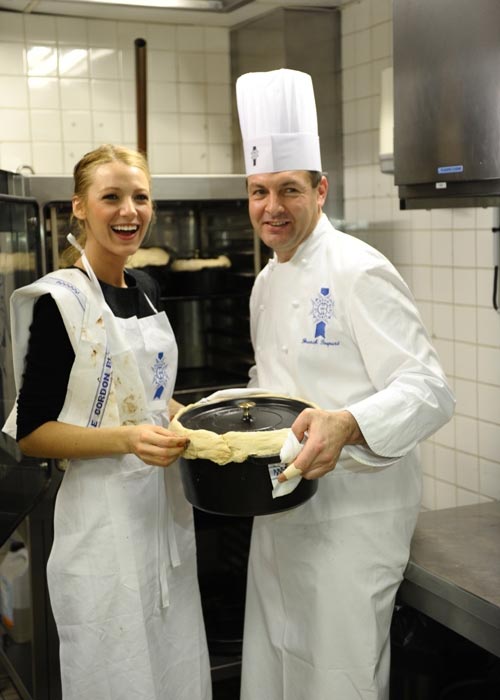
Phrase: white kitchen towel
[289,451]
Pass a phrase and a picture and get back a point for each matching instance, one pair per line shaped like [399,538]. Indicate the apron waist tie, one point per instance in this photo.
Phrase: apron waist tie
[167,526]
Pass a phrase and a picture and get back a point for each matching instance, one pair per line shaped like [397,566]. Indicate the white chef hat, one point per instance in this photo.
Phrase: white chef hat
[278,121]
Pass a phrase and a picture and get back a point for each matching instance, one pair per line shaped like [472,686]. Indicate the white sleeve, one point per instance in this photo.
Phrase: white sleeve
[412,398]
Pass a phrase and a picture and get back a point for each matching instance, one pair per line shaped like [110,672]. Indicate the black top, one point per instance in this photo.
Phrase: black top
[50,354]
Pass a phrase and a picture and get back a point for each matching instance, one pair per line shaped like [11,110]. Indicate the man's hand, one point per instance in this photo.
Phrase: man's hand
[327,433]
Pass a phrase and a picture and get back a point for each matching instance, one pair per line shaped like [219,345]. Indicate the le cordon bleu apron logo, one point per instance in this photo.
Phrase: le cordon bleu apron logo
[322,311]
[160,375]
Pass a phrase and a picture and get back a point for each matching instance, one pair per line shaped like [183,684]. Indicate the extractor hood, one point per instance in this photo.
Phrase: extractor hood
[446,103]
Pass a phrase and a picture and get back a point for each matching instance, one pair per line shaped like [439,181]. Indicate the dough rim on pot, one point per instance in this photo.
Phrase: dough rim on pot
[233,446]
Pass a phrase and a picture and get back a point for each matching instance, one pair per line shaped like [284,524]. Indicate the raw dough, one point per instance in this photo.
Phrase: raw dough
[233,446]
[195,264]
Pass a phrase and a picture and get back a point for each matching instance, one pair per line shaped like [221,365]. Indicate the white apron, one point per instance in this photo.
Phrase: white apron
[122,571]
[322,577]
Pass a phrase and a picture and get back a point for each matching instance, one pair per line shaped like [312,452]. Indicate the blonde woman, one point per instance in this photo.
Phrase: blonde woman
[122,570]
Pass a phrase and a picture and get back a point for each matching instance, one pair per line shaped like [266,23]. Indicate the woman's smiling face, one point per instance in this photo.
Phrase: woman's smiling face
[116,211]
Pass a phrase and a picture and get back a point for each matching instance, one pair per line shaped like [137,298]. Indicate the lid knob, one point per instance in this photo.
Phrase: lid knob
[246,406]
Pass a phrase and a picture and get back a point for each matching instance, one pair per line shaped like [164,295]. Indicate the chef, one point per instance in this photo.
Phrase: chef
[334,323]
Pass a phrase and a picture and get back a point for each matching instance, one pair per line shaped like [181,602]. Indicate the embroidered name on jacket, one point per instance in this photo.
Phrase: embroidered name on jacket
[322,312]
[160,375]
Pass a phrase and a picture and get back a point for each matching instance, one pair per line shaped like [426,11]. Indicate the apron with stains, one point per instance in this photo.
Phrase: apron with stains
[122,571]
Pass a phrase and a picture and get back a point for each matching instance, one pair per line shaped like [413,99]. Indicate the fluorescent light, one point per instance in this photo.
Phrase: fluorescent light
[210,5]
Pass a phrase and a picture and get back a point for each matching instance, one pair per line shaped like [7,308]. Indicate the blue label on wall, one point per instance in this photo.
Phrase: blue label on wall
[451,169]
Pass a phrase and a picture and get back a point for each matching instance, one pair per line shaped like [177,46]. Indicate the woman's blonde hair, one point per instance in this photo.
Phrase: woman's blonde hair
[83,176]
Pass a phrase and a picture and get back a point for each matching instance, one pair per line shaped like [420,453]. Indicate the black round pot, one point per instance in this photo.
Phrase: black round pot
[241,489]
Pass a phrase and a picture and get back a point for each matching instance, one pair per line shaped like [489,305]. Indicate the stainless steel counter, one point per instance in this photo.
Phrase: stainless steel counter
[454,571]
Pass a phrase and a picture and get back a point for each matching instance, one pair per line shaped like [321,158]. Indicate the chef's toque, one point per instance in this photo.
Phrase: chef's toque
[278,121]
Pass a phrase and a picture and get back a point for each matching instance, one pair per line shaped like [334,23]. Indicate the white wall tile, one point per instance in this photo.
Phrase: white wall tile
[41,60]
[466,396]
[219,129]
[73,62]
[488,327]
[442,247]
[466,498]
[165,159]
[464,286]
[194,158]
[192,98]
[71,30]
[381,40]
[220,158]
[465,323]
[191,68]
[163,128]
[163,97]
[103,33]
[48,158]
[107,127]
[484,248]
[422,283]
[442,284]
[428,492]
[75,93]
[160,36]
[362,47]
[104,63]
[16,154]
[489,476]
[40,29]
[105,95]
[466,361]
[128,32]
[467,471]
[189,38]
[421,247]
[445,351]
[11,26]
[218,68]
[488,365]
[489,441]
[441,219]
[489,402]
[485,287]
[15,125]
[381,11]
[446,495]
[193,129]
[77,126]
[444,464]
[43,93]
[216,39]
[12,58]
[219,99]
[73,151]
[464,247]
[13,92]
[46,125]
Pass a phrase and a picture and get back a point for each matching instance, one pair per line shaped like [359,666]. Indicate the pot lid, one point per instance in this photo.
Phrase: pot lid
[255,413]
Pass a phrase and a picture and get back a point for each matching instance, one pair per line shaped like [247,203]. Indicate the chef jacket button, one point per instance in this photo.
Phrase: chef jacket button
[284,348]
[304,261]
[261,307]
[295,304]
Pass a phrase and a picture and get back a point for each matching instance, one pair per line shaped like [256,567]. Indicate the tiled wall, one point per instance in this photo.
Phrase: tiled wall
[67,85]
[52,113]
[445,255]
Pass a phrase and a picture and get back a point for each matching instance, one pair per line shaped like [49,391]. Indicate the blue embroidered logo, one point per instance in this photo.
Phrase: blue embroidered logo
[160,375]
[322,311]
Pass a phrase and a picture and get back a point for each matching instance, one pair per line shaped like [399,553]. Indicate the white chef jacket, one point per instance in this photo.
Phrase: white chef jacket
[337,325]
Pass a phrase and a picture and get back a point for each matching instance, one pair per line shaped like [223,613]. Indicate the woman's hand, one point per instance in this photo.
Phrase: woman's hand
[155,445]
